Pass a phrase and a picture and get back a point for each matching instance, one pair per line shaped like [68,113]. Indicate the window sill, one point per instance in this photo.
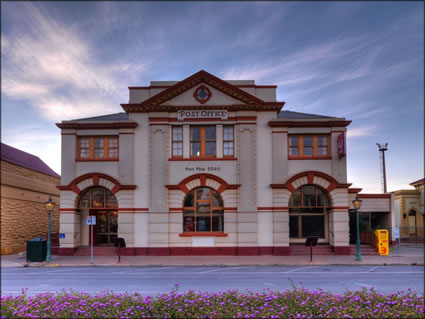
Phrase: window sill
[309,157]
[203,159]
[97,160]
[203,234]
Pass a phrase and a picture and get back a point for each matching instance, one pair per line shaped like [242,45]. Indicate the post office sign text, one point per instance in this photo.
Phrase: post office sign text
[201,114]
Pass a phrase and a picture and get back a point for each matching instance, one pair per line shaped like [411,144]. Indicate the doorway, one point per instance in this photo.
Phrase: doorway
[106,228]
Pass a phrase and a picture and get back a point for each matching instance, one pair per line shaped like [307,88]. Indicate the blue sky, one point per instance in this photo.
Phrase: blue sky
[359,60]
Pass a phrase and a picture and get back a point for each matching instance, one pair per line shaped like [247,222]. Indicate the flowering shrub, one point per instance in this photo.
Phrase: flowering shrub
[295,303]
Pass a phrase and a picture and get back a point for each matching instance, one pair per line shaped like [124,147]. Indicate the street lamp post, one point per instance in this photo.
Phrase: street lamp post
[50,205]
[356,204]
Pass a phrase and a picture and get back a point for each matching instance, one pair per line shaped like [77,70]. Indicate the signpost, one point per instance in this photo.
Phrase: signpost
[397,235]
[91,220]
[311,241]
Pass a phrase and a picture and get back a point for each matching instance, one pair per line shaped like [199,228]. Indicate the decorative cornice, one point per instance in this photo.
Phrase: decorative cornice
[139,108]
[155,103]
[96,126]
[311,123]
[374,195]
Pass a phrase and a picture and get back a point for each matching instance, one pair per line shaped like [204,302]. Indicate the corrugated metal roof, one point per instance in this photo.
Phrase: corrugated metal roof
[420,181]
[299,115]
[24,159]
[122,116]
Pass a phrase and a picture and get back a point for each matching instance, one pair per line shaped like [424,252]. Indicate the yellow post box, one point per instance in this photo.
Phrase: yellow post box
[382,238]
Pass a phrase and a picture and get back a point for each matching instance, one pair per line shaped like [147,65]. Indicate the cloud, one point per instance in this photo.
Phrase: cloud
[59,72]
[360,131]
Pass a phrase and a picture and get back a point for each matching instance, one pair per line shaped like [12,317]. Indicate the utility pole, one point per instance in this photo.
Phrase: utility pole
[382,148]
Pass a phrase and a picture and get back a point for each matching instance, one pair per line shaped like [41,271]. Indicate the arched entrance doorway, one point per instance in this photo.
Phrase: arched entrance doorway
[203,211]
[99,202]
[308,213]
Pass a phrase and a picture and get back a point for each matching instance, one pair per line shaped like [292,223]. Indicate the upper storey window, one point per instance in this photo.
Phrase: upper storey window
[228,139]
[97,148]
[202,141]
[308,146]
[177,141]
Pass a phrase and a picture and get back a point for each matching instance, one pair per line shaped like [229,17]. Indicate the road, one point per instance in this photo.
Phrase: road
[156,280]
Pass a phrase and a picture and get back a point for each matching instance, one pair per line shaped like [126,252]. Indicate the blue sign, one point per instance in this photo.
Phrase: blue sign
[62,235]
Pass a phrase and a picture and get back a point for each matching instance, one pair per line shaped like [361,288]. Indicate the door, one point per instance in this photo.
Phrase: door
[412,222]
[106,228]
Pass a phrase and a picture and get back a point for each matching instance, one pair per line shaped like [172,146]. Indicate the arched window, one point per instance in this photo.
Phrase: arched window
[203,211]
[97,198]
[307,208]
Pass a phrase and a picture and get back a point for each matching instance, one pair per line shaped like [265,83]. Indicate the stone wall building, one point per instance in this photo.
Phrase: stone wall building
[409,211]
[26,183]
[208,166]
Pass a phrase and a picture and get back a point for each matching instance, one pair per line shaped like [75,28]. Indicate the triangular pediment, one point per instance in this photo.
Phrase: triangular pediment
[221,92]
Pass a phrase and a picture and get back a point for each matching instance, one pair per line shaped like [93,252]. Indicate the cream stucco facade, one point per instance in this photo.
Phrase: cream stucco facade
[234,141]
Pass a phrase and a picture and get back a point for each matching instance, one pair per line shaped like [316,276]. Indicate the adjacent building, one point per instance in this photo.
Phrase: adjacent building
[208,166]
[409,211]
[26,183]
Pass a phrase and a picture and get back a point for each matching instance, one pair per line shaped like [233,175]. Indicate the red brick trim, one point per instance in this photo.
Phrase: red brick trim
[132,210]
[265,251]
[203,180]
[282,251]
[276,208]
[203,234]
[247,251]
[340,207]
[209,94]
[374,195]
[182,184]
[95,180]
[286,123]
[310,177]
[341,250]
[167,86]
[73,185]
[266,107]
[202,159]
[296,158]
[158,251]
[354,190]
[96,126]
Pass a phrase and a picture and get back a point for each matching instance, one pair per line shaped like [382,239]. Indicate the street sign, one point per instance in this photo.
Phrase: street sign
[91,220]
[396,232]
[62,235]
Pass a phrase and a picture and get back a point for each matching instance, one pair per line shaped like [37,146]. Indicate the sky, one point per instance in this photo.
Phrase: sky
[360,60]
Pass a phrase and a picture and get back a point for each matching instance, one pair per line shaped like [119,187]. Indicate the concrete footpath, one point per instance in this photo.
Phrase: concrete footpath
[407,254]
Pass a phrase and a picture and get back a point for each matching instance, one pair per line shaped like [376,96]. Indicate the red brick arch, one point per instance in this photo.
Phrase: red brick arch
[203,179]
[73,186]
[310,177]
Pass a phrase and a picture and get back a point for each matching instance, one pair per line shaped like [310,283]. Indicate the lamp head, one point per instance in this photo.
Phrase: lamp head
[357,203]
[50,205]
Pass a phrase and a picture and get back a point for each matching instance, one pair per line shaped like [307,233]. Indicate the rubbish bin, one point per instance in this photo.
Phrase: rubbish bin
[36,250]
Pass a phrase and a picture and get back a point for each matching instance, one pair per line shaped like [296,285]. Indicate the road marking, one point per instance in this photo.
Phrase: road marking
[372,269]
[136,270]
[218,269]
[293,270]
